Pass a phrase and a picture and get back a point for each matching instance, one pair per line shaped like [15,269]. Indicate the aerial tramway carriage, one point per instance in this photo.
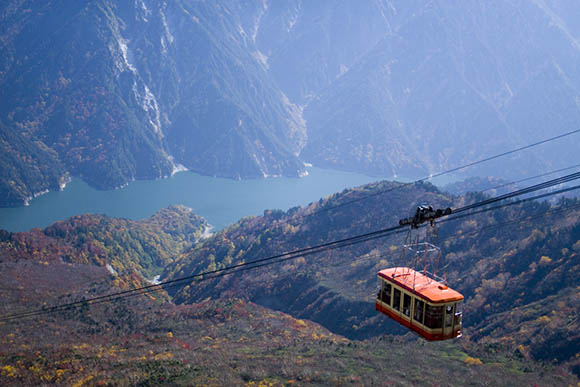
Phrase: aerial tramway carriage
[418,299]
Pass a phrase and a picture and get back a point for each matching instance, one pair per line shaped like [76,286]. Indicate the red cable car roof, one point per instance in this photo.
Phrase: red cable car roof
[420,284]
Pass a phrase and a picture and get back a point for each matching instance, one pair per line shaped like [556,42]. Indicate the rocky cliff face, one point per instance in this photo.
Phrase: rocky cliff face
[120,92]
[113,92]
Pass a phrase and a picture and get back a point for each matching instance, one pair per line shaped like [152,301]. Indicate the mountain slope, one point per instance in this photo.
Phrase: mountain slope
[232,342]
[134,91]
[307,46]
[451,84]
[73,89]
[27,167]
[136,249]
[113,92]
[148,340]
[521,293]
[514,259]
[230,119]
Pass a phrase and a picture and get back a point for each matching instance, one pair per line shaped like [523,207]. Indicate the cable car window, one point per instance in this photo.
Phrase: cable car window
[397,299]
[419,308]
[458,313]
[448,316]
[433,316]
[386,296]
[406,304]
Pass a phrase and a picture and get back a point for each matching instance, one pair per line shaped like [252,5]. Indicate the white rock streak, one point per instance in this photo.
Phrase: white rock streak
[143,94]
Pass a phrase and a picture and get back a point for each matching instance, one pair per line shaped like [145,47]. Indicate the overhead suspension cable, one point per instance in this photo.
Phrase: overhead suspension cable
[488,189]
[362,258]
[438,174]
[533,216]
[530,178]
[296,253]
[402,185]
[503,185]
[514,203]
[537,187]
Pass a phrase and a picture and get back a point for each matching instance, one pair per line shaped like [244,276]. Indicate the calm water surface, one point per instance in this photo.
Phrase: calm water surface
[220,201]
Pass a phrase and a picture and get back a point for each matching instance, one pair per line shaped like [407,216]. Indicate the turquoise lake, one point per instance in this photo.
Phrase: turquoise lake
[220,201]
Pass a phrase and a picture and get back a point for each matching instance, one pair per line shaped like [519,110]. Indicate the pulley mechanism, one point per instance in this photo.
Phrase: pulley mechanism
[423,214]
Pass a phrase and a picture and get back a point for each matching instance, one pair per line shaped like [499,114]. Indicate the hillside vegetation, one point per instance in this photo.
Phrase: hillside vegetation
[309,321]
[140,249]
[233,342]
[518,267]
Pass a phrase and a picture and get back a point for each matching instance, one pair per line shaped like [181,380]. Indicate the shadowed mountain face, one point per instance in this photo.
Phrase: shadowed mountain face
[113,92]
[452,84]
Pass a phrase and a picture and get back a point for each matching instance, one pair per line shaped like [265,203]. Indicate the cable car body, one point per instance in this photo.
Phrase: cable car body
[421,303]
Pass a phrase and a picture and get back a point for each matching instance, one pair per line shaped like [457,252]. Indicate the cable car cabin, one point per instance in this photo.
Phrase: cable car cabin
[420,303]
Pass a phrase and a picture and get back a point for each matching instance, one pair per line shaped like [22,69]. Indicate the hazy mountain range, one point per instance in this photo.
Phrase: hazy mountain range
[112,92]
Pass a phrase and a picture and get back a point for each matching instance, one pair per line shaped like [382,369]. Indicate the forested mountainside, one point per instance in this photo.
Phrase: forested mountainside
[124,91]
[27,167]
[233,342]
[518,267]
[140,249]
[226,339]
[112,92]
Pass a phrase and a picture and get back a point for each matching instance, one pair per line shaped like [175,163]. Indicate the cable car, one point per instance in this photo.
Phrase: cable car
[420,303]
[420,300]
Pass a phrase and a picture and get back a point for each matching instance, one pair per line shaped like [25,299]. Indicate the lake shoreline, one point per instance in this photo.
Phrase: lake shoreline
[221,201]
